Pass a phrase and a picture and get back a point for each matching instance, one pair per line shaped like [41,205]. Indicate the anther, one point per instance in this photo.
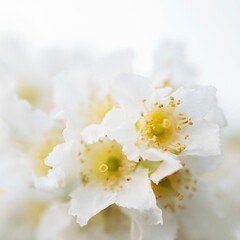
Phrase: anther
[186,136]
[166,123]
[103,168]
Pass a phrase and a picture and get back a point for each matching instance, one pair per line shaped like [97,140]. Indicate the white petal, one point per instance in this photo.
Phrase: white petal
[89,200]
[93,133]
[204,139]
[216,115]
[166,168]
[197,102]
[57,214]
[114,118]
[142,230]
[167,163]
[52,181]
[130,90]
[126,135]
[137,193]
[153,154]
[65,164]
[208,208]
[159,95]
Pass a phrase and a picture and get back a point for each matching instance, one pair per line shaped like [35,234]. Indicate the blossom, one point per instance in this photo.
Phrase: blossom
[101,175]
[21,213]
[31,136]
[160,125]
[29,73]
[171,67]
[82,95]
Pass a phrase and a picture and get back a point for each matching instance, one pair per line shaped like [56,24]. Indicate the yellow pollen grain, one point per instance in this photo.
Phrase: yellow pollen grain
[166,123]
[103,168]
[178,127]
[186,136]
[180,197]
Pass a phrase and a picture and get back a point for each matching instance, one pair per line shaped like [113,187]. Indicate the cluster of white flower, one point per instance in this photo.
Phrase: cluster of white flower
[90,150]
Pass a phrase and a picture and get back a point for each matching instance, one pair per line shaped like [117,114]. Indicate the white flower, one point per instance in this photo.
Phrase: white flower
[82,95]
[171,68]
[31,136]
[102,175]
[161,125]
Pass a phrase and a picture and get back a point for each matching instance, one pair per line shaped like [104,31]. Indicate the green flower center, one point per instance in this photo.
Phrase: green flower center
[105,162]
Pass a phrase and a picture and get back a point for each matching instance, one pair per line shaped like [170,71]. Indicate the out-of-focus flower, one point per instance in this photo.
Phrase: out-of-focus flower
[102,175]
[82,95]
[171,68]
[109,224]
[31,136]
[29,73]
[21,213]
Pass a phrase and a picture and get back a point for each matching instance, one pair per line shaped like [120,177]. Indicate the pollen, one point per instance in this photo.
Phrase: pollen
[166,123]
[103,168]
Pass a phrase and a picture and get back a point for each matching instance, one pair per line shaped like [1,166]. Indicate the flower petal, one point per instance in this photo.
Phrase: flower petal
[130,90]
[166,168]
[93,133]
[204,139]
[216,115]
[138,194]
[167,163]
[142,230]
[89,200]
[196,102]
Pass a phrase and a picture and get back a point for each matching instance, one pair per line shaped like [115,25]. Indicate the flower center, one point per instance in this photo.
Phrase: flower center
[29,92]
[98,108]
[161,127]
[105,162]
[43,150]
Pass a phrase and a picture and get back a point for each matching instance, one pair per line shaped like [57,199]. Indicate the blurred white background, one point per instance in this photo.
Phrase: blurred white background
[210,30]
